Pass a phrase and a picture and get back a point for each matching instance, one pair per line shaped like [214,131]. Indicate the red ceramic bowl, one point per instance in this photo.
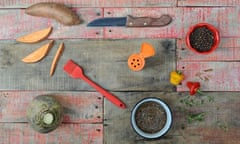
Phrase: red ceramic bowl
[211,28]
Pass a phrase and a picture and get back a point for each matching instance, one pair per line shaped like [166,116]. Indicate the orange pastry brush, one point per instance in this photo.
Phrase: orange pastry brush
[75,71]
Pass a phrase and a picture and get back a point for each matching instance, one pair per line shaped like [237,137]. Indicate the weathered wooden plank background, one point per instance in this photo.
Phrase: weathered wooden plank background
[93,3]
[226,19]
[16,24]
[79,107]
[21,133]
[83,115]
[217,71]
[208,3]
[105,62]
[214,76]
[103,52]
[220,124]
[228,50]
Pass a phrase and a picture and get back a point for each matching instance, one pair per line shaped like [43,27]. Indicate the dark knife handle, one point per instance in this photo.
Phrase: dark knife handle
[147,21]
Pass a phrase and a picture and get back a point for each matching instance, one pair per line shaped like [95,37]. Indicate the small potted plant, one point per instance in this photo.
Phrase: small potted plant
[151,118]
[202,38]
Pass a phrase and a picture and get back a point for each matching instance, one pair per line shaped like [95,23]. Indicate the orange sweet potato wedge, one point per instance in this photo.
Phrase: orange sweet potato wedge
[56,58]
[35,36]
[38,54]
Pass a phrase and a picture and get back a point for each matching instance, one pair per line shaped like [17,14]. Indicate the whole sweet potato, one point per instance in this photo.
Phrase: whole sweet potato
[56,11]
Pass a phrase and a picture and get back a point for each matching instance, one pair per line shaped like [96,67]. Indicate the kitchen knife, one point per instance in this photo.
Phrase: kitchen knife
[131,21]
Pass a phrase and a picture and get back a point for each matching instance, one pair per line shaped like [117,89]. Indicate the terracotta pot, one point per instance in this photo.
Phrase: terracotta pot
[166,120]
[215,35]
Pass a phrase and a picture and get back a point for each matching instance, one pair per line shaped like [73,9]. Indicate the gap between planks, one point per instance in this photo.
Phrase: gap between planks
[79,107]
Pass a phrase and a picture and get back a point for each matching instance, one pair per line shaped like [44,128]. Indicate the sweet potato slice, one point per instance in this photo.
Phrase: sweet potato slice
[35,36]
[56,58]
[38,54]
[56,11]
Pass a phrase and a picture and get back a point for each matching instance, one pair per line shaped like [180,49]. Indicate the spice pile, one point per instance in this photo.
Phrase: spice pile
[202,39]
[150,117]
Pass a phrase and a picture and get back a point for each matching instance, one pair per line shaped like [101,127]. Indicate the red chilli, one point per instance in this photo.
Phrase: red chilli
[194,87]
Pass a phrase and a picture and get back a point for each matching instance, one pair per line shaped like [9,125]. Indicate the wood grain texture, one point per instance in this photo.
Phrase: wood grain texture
[79,107]
[208,3]
[141,3]
[22,133]
[92,3]
[16,23]
[173,30]
[70,3]
[228,50]
[213,76]
[103,61]
[220,126]
[225,19]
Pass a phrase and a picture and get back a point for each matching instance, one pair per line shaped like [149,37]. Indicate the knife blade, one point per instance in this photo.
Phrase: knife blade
[131,21]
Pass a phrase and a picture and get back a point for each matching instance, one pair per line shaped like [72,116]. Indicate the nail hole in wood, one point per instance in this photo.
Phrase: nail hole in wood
[97,33]
[183,67]
[98,14]
[98,130]
[96,107]
[110,30]
[99,117]
[109,13]
[183,48]
[99,98]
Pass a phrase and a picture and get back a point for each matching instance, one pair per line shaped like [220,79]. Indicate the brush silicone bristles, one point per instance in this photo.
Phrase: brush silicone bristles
[75,71]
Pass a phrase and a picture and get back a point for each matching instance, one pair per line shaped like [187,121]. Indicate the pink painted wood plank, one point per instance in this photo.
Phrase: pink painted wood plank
[213,76]
[72,3]
[15,23]
[225,19]
[208,2]
[93,3]
[140,3]
[228,50]
[79,107]
[22,133]
[213,135]
[173,30]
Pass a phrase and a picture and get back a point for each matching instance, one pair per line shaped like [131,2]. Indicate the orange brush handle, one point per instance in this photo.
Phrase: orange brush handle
[105,93]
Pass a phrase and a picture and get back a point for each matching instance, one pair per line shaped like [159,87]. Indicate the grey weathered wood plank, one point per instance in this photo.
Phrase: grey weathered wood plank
[220,126]
[104,61]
